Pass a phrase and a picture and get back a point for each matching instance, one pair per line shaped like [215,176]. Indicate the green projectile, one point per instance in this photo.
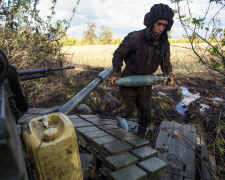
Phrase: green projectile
[141,80]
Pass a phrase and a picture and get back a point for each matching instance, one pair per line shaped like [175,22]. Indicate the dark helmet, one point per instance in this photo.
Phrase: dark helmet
[158,12]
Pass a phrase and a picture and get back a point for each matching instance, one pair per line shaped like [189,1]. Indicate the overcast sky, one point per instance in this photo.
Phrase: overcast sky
[122,16]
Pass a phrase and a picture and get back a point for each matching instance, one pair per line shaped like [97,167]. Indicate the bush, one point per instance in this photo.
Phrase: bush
[28,40]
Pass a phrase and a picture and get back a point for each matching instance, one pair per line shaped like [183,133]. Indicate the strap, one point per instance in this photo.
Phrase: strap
[163,59]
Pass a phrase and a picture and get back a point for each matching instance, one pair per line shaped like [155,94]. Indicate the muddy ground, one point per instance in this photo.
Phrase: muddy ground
[60,88]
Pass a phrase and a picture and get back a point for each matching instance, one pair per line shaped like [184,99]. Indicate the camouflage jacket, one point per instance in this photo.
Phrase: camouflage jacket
[141,55]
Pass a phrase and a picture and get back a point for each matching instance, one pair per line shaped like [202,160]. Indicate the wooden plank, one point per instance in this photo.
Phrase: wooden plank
[88,116]
[36,110]
[26,117]
[50,110]
[82,124]
[73,117]
[206,167]
[175,142]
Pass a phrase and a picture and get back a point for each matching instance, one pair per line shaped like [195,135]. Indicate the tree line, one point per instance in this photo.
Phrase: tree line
[90,37]
[106,37]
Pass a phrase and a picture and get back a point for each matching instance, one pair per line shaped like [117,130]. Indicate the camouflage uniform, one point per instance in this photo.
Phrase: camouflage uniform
[142,54]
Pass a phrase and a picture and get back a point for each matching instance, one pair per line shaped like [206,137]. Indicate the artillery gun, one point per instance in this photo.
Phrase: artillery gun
[38,143]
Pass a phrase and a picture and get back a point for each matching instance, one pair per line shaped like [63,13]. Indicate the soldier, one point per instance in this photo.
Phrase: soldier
[143,51]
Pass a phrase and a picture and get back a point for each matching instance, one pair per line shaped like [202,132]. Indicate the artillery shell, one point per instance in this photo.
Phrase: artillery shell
[140,80]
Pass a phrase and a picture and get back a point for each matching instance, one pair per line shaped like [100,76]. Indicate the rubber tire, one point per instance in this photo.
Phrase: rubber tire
[4,65]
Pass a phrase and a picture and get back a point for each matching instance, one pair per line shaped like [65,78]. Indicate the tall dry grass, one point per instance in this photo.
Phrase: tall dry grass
[101,55]
[92,55]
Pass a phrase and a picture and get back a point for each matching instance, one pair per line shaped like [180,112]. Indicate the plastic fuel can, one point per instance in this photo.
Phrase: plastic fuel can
[51,140]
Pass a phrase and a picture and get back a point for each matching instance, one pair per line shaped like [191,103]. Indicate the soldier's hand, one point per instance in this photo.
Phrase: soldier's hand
[169,82]
[113,83]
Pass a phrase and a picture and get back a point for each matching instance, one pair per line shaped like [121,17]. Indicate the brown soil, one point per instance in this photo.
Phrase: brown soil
[62,87]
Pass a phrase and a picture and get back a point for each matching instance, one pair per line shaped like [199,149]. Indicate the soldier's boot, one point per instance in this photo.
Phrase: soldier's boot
[141,131]
[107,100]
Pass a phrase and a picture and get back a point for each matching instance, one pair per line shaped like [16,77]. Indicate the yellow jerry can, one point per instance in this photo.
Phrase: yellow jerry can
[51,140]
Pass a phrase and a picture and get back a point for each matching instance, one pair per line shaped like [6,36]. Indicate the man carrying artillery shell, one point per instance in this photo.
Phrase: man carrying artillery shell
[143,51]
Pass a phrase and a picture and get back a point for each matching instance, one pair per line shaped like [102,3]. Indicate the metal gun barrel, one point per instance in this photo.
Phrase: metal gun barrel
[42,70]
[77,99]
[35,76]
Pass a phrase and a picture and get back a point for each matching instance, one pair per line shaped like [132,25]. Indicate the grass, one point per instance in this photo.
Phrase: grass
[183,59]
[91,55]
[101,55]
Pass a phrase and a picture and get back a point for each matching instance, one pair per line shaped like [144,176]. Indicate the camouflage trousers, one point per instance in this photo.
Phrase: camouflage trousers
[131,96]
